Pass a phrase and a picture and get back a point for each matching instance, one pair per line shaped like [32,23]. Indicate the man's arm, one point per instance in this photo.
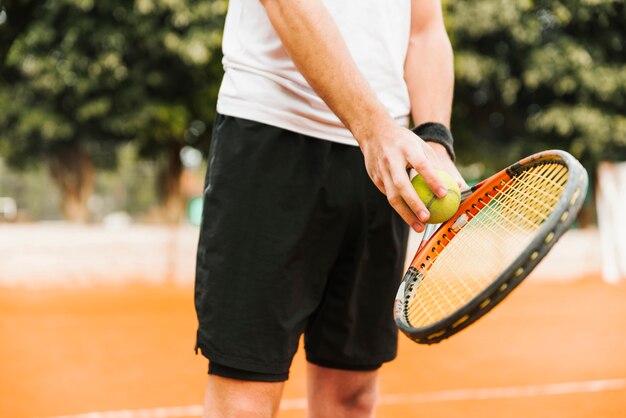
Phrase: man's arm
[429,74]
[318,50]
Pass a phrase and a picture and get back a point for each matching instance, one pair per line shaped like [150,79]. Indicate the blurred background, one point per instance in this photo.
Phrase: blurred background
[106,113]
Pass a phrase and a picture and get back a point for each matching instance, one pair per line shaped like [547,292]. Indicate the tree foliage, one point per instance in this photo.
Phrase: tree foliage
[532,75]
[81,76]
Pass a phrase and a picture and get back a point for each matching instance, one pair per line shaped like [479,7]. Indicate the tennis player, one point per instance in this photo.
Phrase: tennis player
[307,197]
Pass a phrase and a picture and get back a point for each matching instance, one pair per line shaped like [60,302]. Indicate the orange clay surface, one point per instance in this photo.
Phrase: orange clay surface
[98,349]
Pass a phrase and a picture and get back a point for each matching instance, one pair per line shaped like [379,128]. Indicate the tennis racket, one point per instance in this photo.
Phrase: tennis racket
[504,226]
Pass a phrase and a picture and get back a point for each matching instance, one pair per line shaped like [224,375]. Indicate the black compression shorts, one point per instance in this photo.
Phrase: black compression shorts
[295,239]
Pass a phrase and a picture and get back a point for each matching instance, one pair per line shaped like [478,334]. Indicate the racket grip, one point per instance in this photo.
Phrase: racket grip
[466,193]
[429,231]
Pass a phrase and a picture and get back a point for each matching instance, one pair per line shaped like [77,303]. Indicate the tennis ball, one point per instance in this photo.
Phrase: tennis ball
[441,209]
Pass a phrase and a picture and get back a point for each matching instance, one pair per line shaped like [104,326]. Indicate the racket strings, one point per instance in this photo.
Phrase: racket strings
[533,200]
[494,236]
[524,210]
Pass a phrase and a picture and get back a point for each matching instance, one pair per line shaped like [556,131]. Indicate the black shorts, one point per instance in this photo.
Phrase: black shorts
[295,239]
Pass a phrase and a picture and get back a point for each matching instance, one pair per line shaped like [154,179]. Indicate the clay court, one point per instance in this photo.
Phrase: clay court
[84,334]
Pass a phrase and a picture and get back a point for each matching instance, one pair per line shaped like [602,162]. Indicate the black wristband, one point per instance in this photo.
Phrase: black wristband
[436,132]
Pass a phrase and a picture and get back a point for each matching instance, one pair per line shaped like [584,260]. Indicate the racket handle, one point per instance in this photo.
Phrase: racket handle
[466,193]
[429,231]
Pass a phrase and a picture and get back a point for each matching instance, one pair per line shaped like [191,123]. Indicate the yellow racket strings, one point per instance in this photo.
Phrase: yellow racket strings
[492,239]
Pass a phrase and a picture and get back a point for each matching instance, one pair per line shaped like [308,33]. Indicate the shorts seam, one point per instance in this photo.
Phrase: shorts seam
[355,364]
[244,363]
[218,369]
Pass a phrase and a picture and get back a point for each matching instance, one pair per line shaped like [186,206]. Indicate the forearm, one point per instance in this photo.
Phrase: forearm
[318,50]
[429,72]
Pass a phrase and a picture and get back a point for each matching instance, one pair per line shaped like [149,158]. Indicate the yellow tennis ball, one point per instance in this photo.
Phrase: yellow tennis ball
[441,209]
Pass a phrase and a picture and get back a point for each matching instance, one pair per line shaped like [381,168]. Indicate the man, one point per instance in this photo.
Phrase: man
[296,238]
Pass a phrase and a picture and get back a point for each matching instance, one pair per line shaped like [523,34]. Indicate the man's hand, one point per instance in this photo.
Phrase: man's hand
[440,158]
[388,155]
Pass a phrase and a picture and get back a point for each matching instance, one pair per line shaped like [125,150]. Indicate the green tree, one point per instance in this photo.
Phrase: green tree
[532,75]
[78,77]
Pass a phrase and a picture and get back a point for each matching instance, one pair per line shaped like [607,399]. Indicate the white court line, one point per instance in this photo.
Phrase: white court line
[505,392]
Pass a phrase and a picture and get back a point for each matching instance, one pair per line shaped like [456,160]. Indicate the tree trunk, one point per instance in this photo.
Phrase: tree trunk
[171,193]
[73,172]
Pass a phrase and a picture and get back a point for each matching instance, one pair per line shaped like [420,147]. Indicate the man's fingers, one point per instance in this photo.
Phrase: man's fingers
[427,171]
[397,202]
[378,182]
[403,186]
[438,156]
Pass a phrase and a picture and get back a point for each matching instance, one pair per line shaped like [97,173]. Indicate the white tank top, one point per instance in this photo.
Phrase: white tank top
[262,84]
